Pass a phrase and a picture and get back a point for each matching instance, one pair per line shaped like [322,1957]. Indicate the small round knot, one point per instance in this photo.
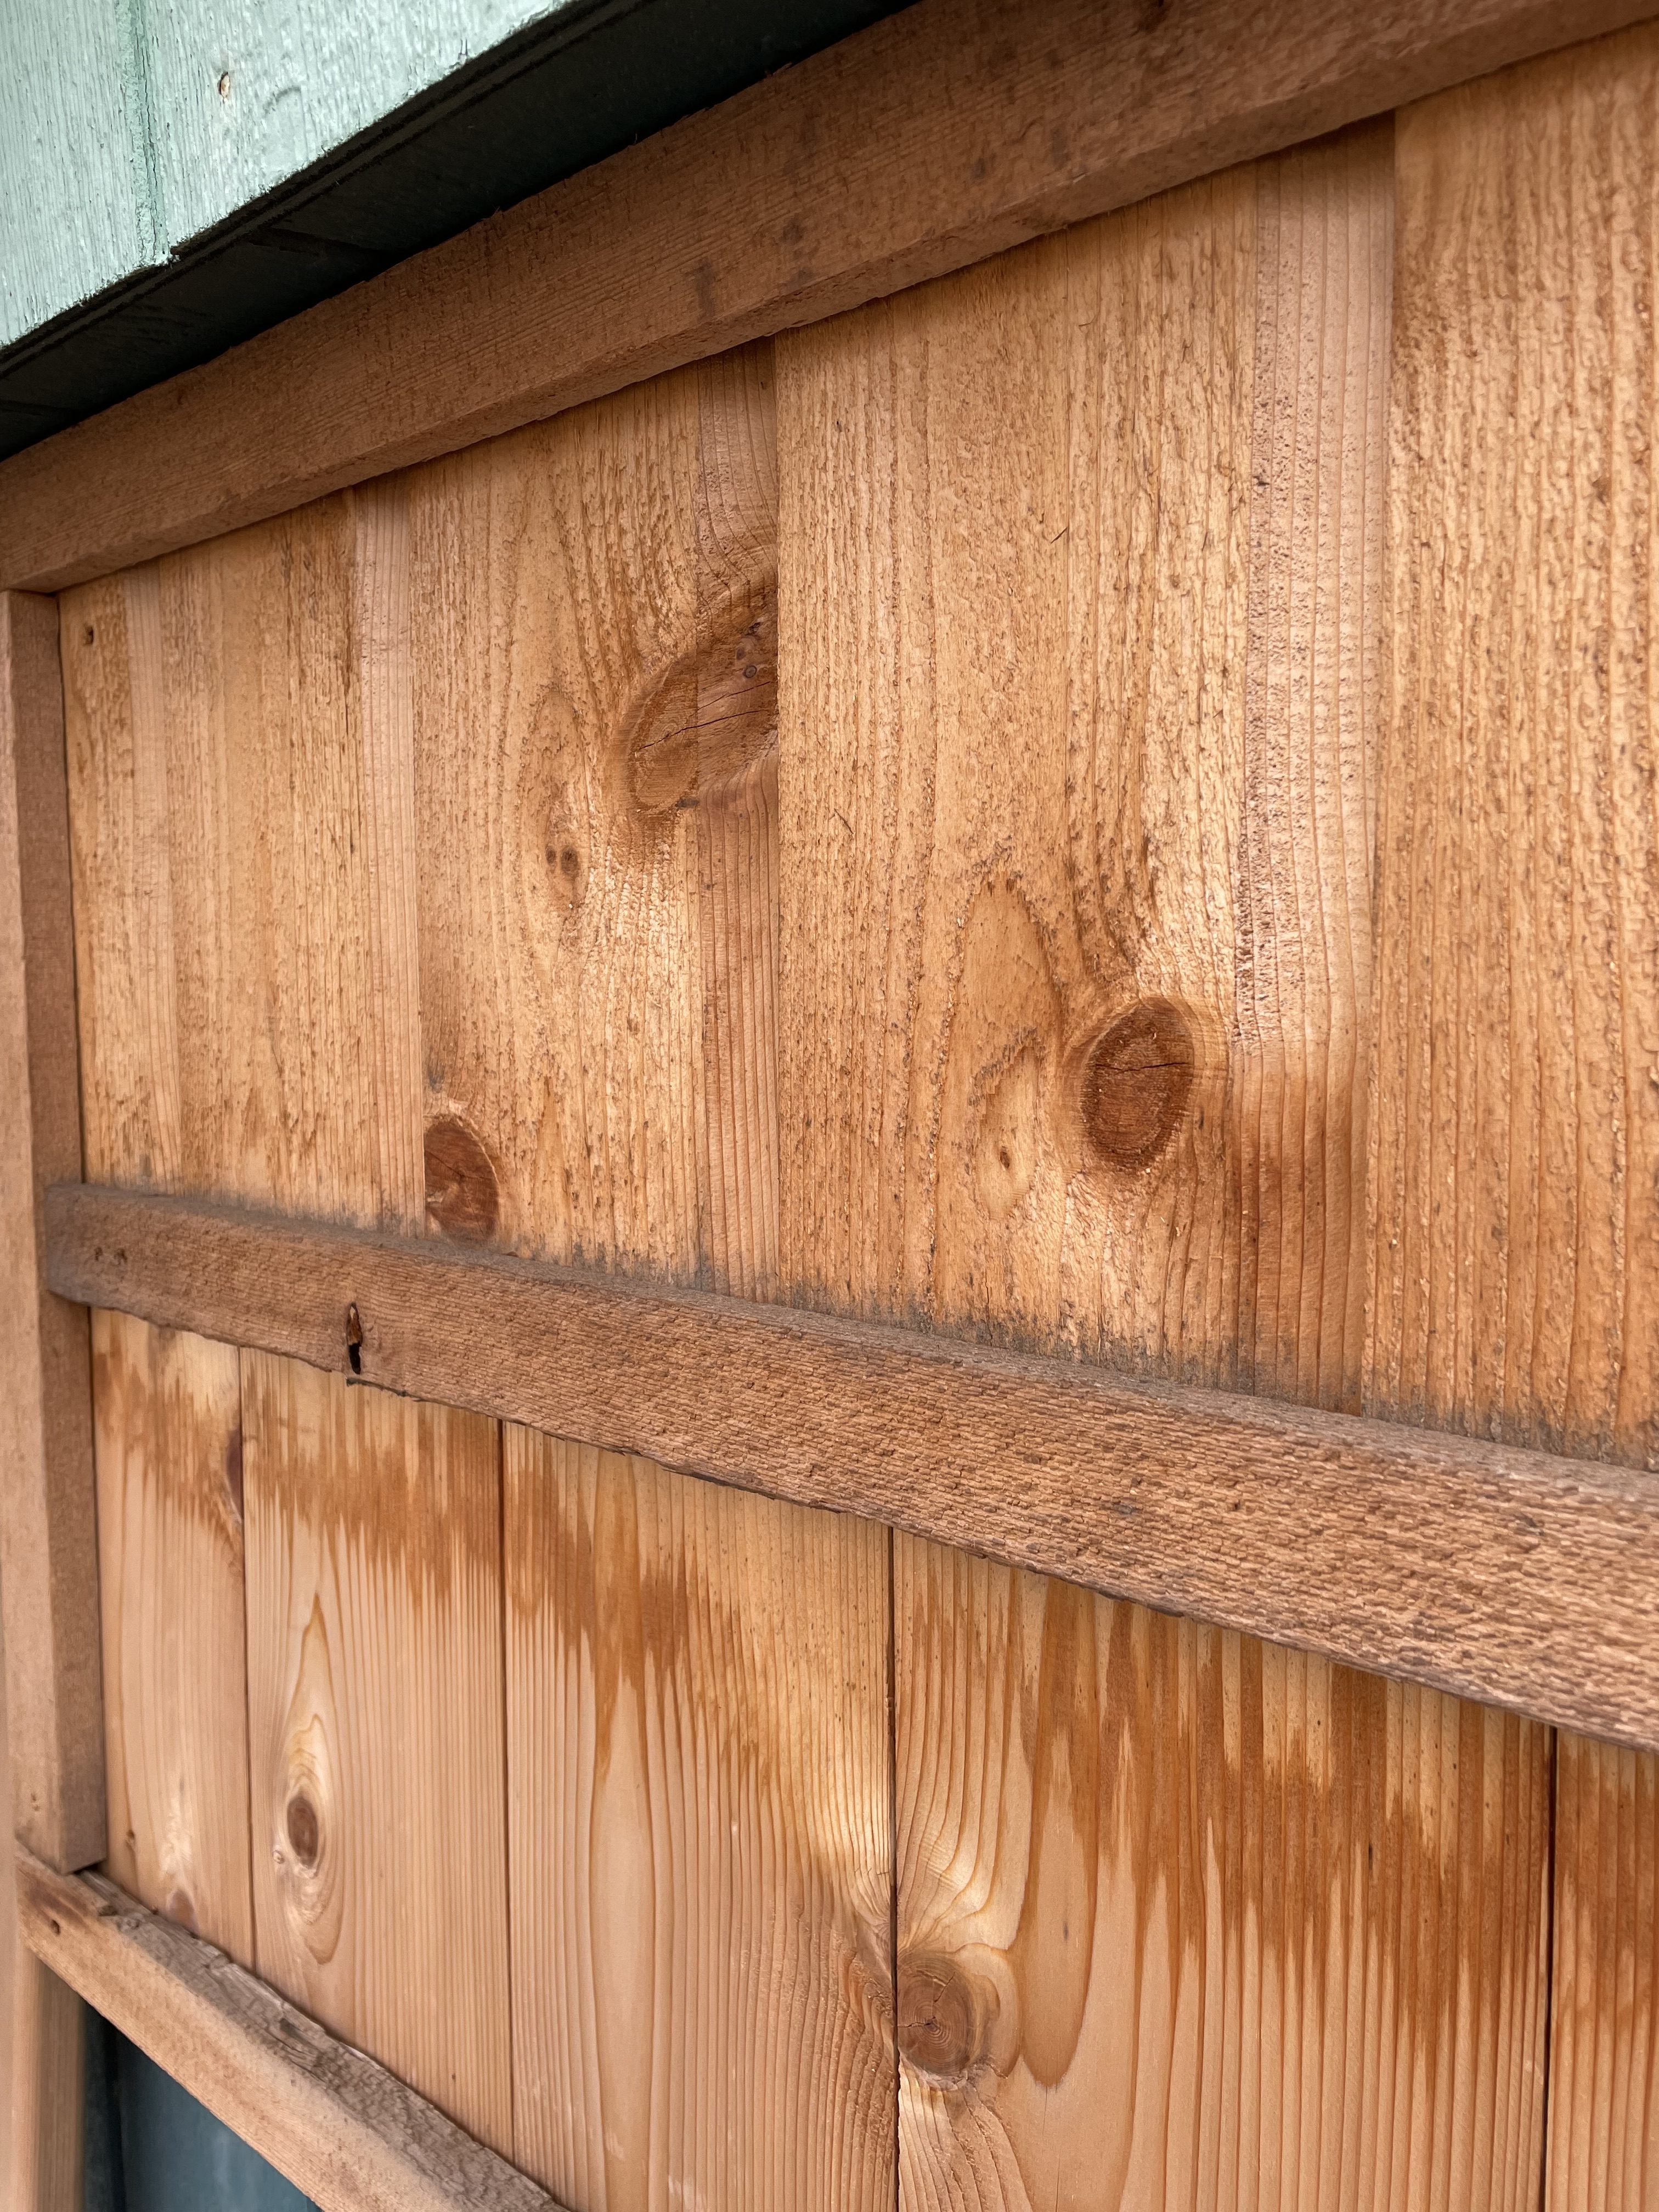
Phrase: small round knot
[939,2027]
[1135,1082]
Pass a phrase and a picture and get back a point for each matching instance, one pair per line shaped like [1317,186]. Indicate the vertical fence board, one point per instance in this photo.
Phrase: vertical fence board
[375,1738]
[1516,1242]
[1081,613]
[696,1683]
[168,1431]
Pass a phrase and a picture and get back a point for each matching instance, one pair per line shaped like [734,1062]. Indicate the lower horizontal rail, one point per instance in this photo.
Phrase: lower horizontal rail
[340,2127]
[1517,1577]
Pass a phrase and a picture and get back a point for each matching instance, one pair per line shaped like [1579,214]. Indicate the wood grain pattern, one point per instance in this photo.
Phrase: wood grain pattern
[1089,732]
[1515,1577]
[953,130]
[242,785]
[375,1731]
[698,1728]
[1188,1919]
[48,1548]
[48,2091]
[1516,1132]
[1083,551]
[168,1432]
[353,2136]
[593,617]
[42,2094]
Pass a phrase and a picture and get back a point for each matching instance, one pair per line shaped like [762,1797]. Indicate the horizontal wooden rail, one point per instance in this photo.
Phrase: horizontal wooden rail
[339,2126]
[951,132]
[1510,1575]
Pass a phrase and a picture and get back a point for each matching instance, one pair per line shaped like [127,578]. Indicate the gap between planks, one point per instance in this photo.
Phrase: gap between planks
[1513,1576]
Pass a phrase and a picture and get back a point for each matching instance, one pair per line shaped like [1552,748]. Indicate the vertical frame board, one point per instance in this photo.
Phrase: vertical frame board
[1515,1177]
[42,2061]
[169,1450]
[48,2091]
[1081,622]
[375,1739]
[47,1547]
[697,1684]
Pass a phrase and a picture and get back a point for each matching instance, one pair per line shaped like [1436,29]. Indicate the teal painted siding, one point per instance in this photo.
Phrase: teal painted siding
[249,92]
[75,213]
[128,127]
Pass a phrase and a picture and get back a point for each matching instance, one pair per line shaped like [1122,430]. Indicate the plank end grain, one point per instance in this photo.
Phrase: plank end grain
[48,1553]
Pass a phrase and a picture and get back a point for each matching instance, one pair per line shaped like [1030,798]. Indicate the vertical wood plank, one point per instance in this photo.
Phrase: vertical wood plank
[1081,646]
[375,1702]
[169,1455]
[241,774]
[48,1553]
[697,1684]
[48,2091]
[1516,1247]
[554,630]
[698,1733]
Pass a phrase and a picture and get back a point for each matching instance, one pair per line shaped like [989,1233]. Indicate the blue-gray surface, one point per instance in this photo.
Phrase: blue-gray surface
[151,2147]
[176,176]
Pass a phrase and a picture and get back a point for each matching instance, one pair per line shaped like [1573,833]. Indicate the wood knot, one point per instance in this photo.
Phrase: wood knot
[180,1907]
[463,1198]
[939,2020]
[305,1833]
[712,711]
[1136,1082]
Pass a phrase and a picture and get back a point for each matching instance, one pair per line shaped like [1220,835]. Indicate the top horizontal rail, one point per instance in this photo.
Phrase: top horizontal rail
[950,131]
[1513,1576]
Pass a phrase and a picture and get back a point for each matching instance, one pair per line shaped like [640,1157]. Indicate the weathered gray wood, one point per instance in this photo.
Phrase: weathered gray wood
[340,2127]
[952,131]
[1509,1575]
[48,1548]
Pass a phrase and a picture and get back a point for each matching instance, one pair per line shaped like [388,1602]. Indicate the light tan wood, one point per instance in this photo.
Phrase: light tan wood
[1081,620]
[1075,838]
[48,2091]
[953,130]
[340,2127]
[698,1731]
[595,722]
[48,1551]
[1516,1577]
[1517,1127]
[1604,2127]
[554,601]
[42,2086]
[373,1541]
[1189,1920]
[168,1425]
[242,785]
[593,624]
